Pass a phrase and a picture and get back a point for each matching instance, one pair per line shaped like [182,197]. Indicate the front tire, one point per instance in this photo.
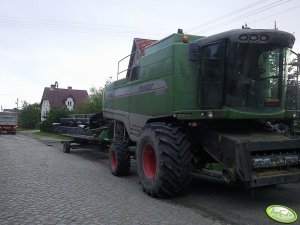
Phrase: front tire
[163,160]
[66,147]
[119,159]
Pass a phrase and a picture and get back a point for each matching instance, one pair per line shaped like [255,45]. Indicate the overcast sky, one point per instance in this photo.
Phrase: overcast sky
[79,42]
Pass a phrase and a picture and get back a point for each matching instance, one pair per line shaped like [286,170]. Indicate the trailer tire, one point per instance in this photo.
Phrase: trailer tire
[163,160]
[119,159]
[66,147]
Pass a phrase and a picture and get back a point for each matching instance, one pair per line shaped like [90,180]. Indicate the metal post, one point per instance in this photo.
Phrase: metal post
[297,75]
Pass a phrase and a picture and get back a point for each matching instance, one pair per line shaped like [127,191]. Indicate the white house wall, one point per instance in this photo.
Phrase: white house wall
[45,109]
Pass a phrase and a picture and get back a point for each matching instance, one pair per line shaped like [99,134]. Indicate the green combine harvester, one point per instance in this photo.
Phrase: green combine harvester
[214,105]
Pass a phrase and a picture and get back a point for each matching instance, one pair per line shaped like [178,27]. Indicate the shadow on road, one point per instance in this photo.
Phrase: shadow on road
[90,153]
[234,204]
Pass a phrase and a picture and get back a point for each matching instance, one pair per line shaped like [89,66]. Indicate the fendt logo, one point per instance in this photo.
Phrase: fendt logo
[147,87]
[156,86]
[281,214]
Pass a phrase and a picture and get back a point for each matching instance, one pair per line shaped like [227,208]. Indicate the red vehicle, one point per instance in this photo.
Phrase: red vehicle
[8,122]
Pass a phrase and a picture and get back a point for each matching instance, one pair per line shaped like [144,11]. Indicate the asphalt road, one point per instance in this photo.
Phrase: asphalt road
[89,194]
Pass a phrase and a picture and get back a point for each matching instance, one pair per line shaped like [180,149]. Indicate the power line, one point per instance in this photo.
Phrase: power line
[276,14]
[72,23]
[229,14]
[101,29]
[77,27]
[232,20]
[251,13]
[242,16]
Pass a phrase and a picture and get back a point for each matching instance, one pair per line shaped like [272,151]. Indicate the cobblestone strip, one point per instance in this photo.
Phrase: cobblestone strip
[41,185]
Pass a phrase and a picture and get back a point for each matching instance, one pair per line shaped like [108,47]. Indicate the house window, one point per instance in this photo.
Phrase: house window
[70,103]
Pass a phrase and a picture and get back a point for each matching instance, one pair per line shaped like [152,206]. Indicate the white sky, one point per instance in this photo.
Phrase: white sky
[79,42]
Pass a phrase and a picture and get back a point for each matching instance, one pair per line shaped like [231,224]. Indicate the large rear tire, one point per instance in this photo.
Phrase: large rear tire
[163,160]
[119,159]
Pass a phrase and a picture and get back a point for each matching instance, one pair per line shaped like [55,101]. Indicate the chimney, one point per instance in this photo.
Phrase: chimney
[69,88]
[53,86]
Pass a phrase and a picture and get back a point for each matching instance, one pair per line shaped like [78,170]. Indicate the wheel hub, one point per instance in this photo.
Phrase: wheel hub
[113,160]
[149,161]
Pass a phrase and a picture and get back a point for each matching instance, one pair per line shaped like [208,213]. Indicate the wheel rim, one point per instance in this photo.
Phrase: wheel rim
[113,160]
[149,161]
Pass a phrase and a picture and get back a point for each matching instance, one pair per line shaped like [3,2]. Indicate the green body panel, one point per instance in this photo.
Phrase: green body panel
[121,103]
[158,64]
[141,104]
[168,86]
[220,98]
[157,91]
[185,81]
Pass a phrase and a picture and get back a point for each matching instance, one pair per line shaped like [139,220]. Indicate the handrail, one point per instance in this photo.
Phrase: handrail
[297,85]
[119,72]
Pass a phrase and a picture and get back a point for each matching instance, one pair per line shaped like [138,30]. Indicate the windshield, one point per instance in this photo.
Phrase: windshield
[256,75]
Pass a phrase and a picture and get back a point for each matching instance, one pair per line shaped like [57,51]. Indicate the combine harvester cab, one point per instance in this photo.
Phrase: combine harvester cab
[215,105]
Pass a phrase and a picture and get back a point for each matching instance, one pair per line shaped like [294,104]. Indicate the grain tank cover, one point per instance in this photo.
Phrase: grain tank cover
[172,39]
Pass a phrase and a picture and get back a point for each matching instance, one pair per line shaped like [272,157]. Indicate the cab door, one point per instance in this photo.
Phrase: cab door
[211,75]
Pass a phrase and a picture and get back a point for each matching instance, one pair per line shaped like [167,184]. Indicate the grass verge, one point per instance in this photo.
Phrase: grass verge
[55,136]
[22,129]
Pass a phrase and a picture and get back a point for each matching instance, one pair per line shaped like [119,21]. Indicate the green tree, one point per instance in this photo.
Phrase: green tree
[93,103]
[53,116]
[30,116]
[96,100]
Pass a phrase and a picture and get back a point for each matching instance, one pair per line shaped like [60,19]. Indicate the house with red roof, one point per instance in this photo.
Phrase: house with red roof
[60,97]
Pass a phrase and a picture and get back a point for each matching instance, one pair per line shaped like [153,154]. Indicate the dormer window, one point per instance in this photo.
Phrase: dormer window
[69,103]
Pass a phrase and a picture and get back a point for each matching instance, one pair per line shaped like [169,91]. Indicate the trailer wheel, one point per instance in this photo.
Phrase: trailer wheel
[119,159]
[163,160]
[66,147]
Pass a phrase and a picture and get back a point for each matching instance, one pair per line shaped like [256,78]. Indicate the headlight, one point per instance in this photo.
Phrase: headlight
[253,37]
[243,37]
[210,115]
[263,38]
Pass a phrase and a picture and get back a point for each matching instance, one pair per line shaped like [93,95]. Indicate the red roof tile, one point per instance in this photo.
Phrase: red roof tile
[138,50]
[141,44]
[57,96]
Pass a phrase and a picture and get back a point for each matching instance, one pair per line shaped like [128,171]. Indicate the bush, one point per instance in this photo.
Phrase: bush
[93,103]
[53,116]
